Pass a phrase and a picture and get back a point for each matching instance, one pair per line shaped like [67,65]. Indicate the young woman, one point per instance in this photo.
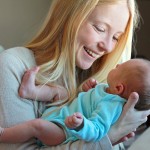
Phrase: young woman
[79,40]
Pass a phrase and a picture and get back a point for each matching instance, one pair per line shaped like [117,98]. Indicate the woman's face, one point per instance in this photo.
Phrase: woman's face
[99,34]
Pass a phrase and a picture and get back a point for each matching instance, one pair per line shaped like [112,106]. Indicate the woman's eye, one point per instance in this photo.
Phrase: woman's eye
[116,39]
[99,29]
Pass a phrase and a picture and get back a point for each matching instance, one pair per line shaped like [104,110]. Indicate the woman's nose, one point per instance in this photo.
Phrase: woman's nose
[106,45]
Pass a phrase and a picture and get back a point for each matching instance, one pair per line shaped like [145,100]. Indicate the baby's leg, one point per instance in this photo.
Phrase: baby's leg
[28,87]
[47,132]
[50,134]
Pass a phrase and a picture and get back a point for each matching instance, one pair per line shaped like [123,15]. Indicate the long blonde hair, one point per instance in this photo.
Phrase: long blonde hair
[55,45]
[122,51]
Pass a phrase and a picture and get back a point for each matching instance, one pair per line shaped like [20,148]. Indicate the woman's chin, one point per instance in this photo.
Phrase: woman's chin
[84,66]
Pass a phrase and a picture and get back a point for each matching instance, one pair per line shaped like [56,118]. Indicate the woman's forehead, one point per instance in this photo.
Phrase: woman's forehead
[110,14]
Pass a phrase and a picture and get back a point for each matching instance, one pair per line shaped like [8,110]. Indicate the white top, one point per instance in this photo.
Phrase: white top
[143,142]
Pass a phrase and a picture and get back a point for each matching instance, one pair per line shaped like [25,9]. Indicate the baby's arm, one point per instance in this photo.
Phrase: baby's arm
[89,84]
[28,88]
[74,121]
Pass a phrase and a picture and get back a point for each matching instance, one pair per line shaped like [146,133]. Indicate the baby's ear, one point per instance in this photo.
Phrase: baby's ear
[119,88]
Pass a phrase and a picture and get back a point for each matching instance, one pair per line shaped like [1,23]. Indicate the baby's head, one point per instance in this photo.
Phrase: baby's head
[132,76]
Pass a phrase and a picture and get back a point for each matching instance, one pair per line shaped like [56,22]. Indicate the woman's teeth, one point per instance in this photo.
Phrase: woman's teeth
[91,53]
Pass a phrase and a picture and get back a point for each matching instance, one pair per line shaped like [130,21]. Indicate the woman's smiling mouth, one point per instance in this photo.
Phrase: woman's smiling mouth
[91,53]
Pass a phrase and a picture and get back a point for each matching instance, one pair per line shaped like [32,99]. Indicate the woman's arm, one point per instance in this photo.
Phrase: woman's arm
[14,110]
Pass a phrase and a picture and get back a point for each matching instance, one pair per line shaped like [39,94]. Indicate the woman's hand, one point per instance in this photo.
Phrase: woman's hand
[125,138]
[129,120]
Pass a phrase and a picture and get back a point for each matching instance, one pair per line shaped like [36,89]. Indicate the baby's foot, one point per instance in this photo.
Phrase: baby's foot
[27,86]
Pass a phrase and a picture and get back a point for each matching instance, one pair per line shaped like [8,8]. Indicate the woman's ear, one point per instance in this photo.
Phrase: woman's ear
[119,88]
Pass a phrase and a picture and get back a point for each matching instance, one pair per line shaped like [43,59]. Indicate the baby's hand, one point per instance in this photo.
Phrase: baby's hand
[27,87]
[89,84]
[74,121]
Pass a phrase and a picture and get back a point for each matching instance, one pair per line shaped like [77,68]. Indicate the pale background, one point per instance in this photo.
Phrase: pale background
[20,19]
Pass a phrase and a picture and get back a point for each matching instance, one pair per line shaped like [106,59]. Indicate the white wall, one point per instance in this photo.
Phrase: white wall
[19,20]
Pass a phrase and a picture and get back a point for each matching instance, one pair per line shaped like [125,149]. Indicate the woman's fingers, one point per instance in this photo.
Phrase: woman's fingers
[125,138]
[129,106]
[132,100]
